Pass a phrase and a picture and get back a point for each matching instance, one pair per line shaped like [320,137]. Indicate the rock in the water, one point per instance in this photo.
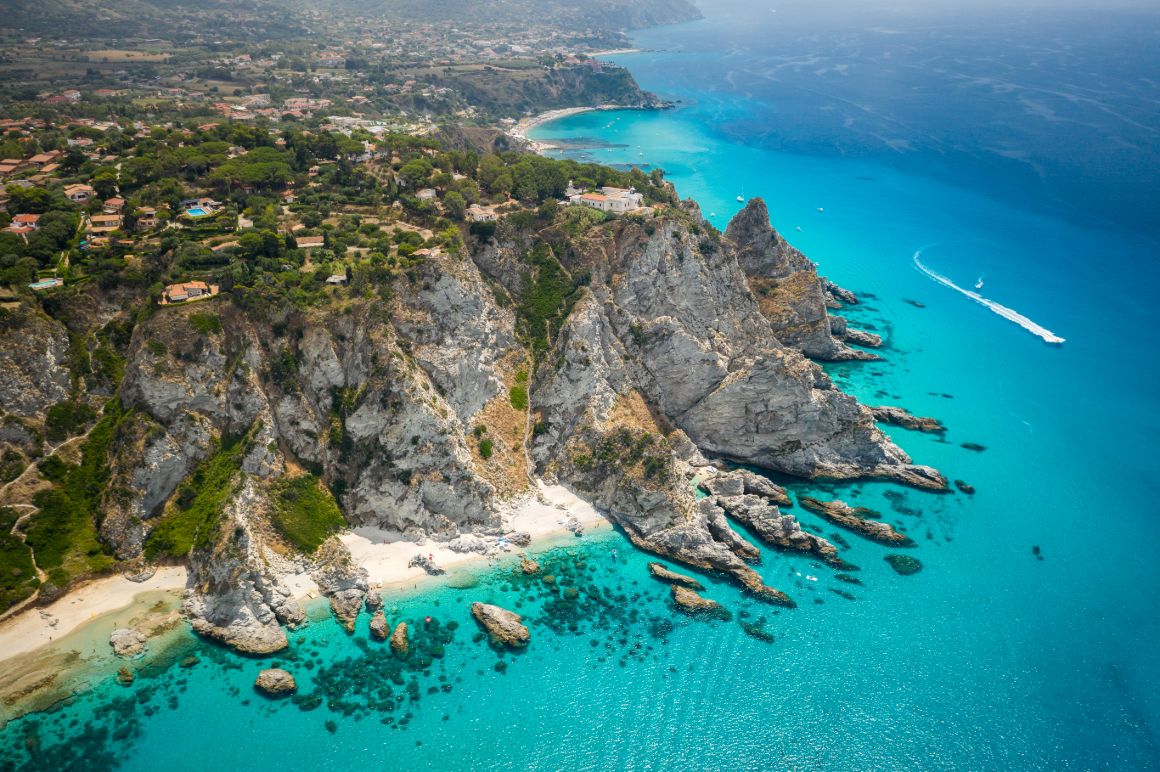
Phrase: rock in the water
[855,519]
[127,642]
[275,682]
[965,487]
[693,604]
[400,644]
[672,577]
[374,601]
[502,625]
[529,566]
[125,676]
[379,627]
[904,564]
[777,530]
[897,416]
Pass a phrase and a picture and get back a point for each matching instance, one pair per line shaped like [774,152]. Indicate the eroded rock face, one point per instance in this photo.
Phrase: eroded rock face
[503,626]
[275,682]
[234,596]
[34,373]
[789,291]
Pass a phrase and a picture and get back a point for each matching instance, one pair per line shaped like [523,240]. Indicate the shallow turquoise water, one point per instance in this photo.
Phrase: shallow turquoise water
[988,658]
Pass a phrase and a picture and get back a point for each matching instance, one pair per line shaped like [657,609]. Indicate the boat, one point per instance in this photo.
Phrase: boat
[979,283]
[812,578]
[820,209]
[741,199]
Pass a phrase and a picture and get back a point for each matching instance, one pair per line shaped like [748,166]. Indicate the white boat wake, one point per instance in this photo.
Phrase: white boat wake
[1009,314]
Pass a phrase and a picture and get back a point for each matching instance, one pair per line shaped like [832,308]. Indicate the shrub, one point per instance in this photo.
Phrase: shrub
[485,449]
[518,396]
[206,323]
[65,419]
[305,512]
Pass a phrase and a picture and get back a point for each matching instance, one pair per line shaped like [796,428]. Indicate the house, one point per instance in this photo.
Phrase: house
[426,194]
[146,218]
[103,224]
[179,293]
[337,279]
[79,194]
[477,213]
[113,205]
[40,160]
[23,223]
[310,242]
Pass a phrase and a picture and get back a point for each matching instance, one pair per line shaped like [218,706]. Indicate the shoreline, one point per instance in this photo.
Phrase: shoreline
[50,652]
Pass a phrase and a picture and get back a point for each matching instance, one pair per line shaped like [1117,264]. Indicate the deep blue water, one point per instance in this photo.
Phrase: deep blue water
[1021,149]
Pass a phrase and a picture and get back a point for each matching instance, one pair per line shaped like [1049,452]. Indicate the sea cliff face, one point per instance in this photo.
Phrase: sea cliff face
[664,357]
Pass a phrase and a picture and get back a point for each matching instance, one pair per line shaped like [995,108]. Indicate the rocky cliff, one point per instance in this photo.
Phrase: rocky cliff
[791,295]
[658,355]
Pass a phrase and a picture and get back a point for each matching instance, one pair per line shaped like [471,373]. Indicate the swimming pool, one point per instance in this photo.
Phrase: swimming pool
[196,212]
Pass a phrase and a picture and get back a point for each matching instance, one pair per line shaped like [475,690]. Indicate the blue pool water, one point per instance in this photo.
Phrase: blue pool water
[198,212]
[1017,149]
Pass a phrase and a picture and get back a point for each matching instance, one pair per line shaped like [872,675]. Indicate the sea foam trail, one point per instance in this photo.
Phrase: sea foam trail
[1009,314]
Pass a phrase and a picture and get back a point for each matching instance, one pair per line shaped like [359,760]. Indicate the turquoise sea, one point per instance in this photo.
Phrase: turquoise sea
[1021,150]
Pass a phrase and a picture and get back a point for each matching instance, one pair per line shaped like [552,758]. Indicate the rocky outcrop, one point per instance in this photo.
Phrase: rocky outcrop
[379,627]
[672,577]
[275,682]
[856,519]
[740,482]
[529,567]
[127,642]
[780,531]
[789,291]
[400,644]
[897,416]
[691,603]
[503,626]
[233,595]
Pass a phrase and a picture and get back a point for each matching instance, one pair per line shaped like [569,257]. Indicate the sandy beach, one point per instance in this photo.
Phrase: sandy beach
[40,626]
[544,516]
[526,125]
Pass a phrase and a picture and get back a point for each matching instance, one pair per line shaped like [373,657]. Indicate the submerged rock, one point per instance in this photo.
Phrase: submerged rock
[502,625]
[904,564]
[127,642]
[854,518]
[672,577]
[379,627]
[897,416]
[965,487]
[529,566]
[275,682]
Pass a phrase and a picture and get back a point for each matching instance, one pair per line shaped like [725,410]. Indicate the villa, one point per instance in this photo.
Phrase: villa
[190,290]
[200,207]
[612,200]
[113,205]
[23,223]
[44,284]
